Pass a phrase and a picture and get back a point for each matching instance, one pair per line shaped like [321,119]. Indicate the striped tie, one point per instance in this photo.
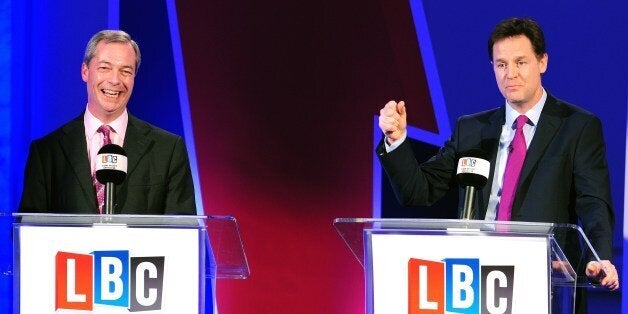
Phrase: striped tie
[99,187]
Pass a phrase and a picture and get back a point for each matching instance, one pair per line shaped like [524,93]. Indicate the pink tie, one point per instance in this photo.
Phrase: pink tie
[99,187]
[513,170]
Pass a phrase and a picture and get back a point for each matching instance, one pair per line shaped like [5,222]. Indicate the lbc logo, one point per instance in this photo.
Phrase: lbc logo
[459,285]
[468,162]
[108,278]
[109,159]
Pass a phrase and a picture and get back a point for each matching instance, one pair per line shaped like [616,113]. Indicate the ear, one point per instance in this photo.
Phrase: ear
[84,70]
[543,63]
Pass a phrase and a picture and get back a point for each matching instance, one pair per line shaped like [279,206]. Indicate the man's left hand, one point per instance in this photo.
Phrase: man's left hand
[603,272]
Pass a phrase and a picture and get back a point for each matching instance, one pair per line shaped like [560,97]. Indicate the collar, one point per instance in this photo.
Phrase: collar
[533,114]
[92,123]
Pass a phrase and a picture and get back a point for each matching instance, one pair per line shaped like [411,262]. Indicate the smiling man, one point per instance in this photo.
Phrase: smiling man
[109,71]
[547,156]
[59,175]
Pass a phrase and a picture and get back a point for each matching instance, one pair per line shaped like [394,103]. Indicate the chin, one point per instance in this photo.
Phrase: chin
[109,106]
[514,99]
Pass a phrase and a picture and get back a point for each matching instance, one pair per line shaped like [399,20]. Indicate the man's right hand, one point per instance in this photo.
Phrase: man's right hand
[392,120]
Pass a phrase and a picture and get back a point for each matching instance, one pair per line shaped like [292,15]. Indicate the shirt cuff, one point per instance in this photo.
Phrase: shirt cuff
[393,146]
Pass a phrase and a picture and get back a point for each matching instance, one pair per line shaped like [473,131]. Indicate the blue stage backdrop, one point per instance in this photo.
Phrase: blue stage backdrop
[277,103]
[5,148]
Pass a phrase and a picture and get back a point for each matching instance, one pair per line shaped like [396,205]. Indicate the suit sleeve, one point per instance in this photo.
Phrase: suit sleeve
[34,193]
[180,193]
[592,186]
[422,184]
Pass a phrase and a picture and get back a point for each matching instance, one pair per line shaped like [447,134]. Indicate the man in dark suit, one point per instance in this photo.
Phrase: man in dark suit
[59,176]
[564,176]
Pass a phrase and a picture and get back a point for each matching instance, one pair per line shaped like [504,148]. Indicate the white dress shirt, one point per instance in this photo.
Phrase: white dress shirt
[506,137]
[94,138]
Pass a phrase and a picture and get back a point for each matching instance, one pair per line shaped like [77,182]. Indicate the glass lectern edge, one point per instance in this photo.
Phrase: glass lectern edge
[351,231]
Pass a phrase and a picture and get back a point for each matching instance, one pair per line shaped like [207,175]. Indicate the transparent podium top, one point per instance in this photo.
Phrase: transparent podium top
[227,258]
[128,220]
[569,247]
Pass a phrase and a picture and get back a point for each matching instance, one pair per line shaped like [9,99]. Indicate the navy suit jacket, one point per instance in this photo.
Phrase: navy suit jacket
[58,176]
[564,178]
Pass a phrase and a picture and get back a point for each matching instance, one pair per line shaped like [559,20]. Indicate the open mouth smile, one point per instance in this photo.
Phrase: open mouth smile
[110,93]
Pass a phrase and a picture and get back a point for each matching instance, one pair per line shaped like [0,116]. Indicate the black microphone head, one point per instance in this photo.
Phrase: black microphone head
[111,164]
[474,152]
[473,168]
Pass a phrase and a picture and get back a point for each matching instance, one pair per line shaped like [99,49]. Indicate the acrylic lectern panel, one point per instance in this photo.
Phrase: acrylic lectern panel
[227,255]
[6,261]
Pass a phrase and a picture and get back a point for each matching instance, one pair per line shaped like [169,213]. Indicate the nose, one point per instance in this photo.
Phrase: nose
[114,77]
[512,71]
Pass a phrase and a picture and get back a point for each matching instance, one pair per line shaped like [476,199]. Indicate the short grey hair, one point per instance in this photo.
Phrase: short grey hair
[111,36]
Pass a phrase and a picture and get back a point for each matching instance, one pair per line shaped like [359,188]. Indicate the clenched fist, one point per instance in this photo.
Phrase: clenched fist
[392,120]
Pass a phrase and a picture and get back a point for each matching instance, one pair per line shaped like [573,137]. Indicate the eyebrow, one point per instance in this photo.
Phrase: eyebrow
[517,58]
[111,64]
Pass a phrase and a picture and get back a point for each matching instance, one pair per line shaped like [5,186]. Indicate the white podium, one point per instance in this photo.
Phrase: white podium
[417,266]
[121,263]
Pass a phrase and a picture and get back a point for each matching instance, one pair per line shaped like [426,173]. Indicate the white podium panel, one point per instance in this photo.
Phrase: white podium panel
[109,269]
[449,273]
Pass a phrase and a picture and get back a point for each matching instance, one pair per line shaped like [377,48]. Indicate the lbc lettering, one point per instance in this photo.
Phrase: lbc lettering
[108,278]
[109,159]
[459,285]
[468,162]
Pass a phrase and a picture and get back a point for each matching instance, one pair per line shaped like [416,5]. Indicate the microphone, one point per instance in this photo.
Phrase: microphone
[472,173]
[111,167]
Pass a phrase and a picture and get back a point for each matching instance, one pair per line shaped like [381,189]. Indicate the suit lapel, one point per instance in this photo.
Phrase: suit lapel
[136,143]
[549,123]
[491,133]
[74,147]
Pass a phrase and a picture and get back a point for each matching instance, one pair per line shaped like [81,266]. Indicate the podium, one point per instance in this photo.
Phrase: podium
[416,266]
[66,263]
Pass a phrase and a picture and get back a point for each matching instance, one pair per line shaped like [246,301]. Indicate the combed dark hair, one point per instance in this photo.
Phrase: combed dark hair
[518,26]
[111,36]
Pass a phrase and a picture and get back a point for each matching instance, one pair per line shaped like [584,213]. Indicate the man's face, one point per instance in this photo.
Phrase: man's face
[518,71]
[109,75]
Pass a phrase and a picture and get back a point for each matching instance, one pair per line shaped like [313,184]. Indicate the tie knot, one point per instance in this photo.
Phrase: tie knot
[521,121]
[106,132]
[104,129]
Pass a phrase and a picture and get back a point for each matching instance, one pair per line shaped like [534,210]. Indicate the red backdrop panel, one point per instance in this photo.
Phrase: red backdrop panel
[282,99]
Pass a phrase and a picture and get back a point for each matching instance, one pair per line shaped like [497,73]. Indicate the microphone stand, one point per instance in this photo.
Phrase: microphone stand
[467,211]
[110,198]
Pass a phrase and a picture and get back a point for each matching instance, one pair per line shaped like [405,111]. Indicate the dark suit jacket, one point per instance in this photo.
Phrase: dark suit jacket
[58,176]
[564,176]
